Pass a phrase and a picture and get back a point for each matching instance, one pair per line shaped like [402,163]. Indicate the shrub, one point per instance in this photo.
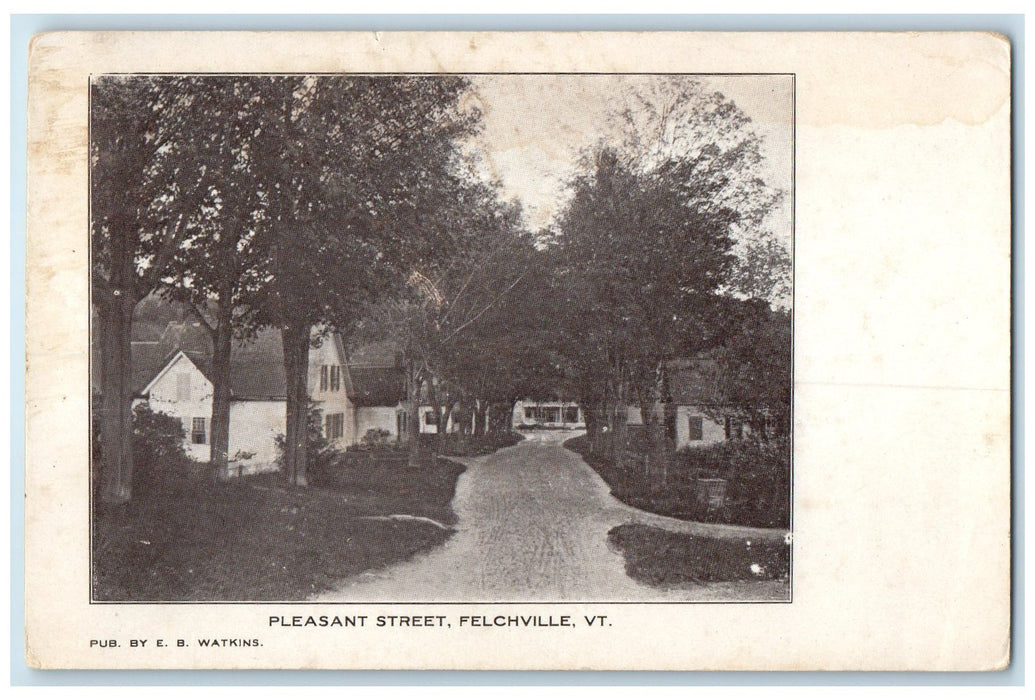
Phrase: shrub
[758,476]
[758,481]
[159,458]
[736,458]
[376,437]
[460,445]
[321,457]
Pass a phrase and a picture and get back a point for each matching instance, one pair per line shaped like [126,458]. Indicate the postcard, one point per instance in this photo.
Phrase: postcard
[612,351]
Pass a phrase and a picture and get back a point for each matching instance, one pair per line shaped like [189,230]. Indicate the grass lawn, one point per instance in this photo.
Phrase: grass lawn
[661,558]
[256,538]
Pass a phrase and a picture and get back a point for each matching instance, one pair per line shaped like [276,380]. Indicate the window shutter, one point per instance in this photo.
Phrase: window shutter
[183,386]
[695,428]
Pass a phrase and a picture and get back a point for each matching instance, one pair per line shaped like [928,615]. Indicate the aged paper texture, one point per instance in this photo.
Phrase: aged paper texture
[892,152]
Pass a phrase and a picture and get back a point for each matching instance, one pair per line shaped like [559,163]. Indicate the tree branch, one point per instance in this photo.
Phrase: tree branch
[487,307]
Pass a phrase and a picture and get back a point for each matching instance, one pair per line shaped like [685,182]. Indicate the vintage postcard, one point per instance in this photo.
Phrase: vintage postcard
[681,351]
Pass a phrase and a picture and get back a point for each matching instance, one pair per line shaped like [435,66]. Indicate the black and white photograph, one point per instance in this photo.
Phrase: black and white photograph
[441,337]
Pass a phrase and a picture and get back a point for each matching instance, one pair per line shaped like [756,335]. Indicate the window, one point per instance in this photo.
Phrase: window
[335,426]
[330,378]
[198,434]
[183,386]
[734,428]
[430,418]
[695,429]
[529,413]
[571,414]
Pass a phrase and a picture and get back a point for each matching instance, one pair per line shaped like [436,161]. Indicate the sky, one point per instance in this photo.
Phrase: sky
[536,126]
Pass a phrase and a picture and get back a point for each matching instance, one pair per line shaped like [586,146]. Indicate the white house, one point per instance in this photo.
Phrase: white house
[548,414]
[172,375]
[181,387]
[689,417]
[378,394]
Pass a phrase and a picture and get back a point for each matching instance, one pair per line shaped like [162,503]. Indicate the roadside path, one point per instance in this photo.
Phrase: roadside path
[533,524]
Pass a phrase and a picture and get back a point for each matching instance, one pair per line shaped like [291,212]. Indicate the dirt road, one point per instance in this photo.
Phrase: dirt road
[533,524]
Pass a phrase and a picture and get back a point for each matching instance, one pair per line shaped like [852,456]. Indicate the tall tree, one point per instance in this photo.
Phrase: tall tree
[142,199]
[664,219]
[357,172]
[664,119]
[749,373]
[223,270]
[440,316]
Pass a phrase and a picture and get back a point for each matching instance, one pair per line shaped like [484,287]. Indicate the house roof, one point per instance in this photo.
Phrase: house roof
[256,364]
[384,353]
[257,367]
[148,359]
[377,386]
[187,336]
[689,381]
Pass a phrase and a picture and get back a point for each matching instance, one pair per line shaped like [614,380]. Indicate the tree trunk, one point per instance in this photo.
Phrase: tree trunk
[481,418]
[590,417]
[413,425]
[651,430]
[496,417]
[443,411]
[221,349]
[620,431]
[296,372]
[465,416]
[116,323]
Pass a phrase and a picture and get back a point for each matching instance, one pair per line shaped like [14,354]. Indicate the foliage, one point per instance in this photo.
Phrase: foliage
[736,457]
[158,449]
[376,437]
[144,194]
[661,240]
[459,445]
[757,479]
[142,201]
[288,200]
[454,320]
[748,371]
[668,119]
[642,254]
[323,456]
[352,166]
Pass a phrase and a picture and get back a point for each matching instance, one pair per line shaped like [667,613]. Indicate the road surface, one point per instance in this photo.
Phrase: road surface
[533,524]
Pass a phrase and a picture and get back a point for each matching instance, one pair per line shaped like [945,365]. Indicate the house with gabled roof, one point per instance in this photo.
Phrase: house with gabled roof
[687,410]
[687,397]
[171,374]
[378,395]
[179,385]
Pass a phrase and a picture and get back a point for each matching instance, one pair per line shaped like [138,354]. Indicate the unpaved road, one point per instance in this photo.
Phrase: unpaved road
[533,524]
